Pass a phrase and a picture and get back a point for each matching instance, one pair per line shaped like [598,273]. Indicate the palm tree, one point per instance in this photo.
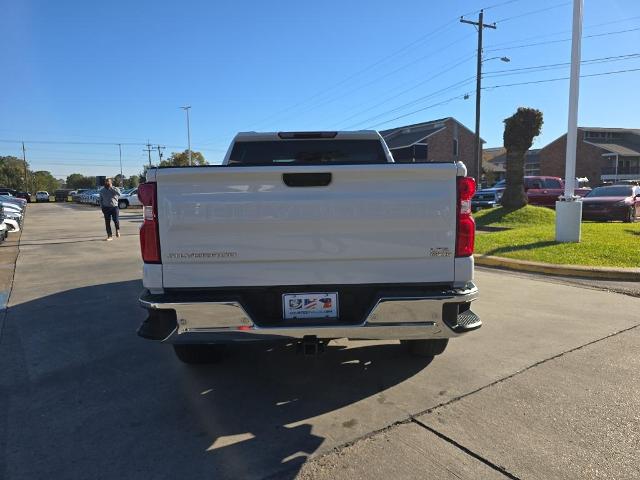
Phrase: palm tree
[519,131]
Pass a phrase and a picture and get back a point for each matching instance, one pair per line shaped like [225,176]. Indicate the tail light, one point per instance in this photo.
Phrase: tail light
[149,235]
[466,227]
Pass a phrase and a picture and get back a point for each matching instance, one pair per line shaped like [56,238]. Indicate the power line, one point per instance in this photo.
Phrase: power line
[419,110]
[382,77]
[562,32]
[361,71]
[458,84]
[594,61]
[533,12]
[595,35]
[492,87]
[502,4]
[413,87]
[615,72]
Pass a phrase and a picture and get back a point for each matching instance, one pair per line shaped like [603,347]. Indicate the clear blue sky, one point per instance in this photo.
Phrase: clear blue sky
[118,71]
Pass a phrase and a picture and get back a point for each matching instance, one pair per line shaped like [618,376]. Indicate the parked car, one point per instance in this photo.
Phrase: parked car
[7,191]
[62,195]
[21,202]
[3,226]
[310,236]
[24,195]
[129,199]
[488,197]
[544,191]
[42,196]
[615,202]
[76,196]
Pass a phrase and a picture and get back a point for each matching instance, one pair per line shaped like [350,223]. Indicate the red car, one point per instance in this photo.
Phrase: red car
[614,202]
[544,191]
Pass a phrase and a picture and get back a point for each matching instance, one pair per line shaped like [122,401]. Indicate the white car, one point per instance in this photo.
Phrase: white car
[129,200]
[310,236]
[42,196]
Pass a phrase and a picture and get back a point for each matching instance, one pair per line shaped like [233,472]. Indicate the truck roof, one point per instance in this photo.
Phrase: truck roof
[339,135]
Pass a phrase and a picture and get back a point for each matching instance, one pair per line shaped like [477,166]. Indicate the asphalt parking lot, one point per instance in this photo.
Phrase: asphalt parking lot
[548,388]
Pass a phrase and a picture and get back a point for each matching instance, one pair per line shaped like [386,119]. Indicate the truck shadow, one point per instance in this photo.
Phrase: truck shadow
[86,397]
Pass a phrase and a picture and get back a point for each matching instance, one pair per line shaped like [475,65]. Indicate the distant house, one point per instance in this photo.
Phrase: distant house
[494,162]
[603,154]
[442,140]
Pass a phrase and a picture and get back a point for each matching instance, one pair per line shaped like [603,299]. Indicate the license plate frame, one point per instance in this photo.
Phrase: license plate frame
[310,305]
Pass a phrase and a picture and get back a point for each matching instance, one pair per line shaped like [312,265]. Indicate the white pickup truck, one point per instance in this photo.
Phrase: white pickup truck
[307,235]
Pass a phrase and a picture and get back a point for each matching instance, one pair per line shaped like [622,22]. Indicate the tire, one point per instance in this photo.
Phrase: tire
[195,354]
[630,217]
[426,348]
[123,204]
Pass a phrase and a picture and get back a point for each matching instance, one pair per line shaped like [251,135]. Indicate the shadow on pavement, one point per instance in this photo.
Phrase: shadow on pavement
[84,397]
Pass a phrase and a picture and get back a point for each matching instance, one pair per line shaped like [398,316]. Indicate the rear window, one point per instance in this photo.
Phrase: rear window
[552,183]
[307,152]
[611,192]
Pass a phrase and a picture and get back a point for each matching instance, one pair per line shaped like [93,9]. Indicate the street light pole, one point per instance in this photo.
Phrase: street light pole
[121,177]
[569,207]
[186,109]
[477,148]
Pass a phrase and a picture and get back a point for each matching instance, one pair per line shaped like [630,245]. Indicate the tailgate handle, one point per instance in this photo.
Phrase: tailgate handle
[321,179]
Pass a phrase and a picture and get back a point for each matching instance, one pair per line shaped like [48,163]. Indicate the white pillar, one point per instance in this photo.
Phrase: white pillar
[569,208]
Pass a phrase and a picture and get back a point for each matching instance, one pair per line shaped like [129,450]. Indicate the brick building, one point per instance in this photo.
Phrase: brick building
[495,160]
[603,154]
[442,140]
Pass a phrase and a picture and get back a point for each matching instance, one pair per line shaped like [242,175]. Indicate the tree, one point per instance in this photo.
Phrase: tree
[519,131]
[43,180]
[12,172]
[132,181]
[77,180]
[182,159]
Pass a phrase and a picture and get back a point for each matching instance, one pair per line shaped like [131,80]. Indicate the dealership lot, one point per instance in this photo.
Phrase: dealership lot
[546,389]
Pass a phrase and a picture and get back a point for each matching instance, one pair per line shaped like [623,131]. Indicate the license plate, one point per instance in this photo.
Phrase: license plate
[310,305]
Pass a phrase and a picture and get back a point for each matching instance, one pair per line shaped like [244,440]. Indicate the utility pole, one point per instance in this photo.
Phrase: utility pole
[121,177]
[477,148]
[24,158]
[186,109]
[160,147]
[148,150]
[569,207]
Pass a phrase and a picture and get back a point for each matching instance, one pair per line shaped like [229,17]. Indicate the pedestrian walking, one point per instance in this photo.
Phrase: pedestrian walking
[109,196]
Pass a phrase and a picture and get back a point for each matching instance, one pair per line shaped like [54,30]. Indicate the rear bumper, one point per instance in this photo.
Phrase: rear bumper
[436,314]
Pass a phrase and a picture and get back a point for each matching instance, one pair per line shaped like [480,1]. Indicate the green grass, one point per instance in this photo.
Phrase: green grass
[501,217]
[531,236]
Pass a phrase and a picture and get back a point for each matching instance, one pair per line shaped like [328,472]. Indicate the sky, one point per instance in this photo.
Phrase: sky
[80,77]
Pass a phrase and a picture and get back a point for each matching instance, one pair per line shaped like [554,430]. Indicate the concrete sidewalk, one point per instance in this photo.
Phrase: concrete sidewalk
[574,415]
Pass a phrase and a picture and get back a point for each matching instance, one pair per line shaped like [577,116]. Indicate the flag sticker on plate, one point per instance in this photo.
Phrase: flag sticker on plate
[310,305]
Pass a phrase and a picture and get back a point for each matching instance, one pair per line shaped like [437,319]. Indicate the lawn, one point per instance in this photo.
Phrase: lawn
[531,236]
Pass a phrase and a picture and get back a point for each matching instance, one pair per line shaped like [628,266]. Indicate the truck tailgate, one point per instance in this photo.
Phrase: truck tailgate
[243,226]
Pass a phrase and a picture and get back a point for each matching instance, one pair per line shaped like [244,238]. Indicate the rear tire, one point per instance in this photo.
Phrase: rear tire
[196,354]
[426,348]
[123,204]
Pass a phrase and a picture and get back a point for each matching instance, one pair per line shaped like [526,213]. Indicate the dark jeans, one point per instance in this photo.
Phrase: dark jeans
[109,213]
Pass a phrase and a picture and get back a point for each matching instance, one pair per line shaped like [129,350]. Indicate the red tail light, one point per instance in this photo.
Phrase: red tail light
[149,235]
[466,229]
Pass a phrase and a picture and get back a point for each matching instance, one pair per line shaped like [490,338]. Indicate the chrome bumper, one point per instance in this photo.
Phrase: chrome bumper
[392,318]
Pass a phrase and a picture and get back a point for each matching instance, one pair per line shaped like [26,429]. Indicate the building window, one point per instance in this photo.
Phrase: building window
[403,155]
[414,154]
[420,152]
[455,147]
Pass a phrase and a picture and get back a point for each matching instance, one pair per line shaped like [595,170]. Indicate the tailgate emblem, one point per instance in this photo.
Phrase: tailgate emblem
[440,252]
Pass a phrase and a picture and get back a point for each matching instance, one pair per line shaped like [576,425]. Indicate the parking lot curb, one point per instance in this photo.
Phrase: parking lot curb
[580,271]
